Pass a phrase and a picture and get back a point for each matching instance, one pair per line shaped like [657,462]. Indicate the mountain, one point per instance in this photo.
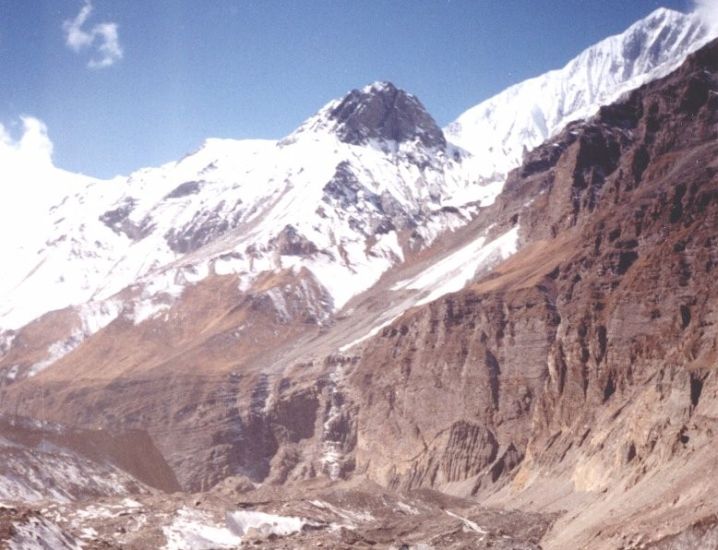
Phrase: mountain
[346,308]
[102,237]
[371,167]
[376,150]
[366,198]
[580,374]
[223,258]
[571,384]
[501,129]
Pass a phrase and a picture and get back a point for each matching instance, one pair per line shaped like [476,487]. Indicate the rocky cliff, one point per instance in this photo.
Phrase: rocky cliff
[589,357]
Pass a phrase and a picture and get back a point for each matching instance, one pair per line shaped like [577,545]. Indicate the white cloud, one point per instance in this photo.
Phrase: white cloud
[708,10]
[26,174]
[103,38]
[32,151]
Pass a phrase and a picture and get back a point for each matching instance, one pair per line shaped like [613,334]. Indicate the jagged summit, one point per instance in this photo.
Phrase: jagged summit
[384,112]
[377,112]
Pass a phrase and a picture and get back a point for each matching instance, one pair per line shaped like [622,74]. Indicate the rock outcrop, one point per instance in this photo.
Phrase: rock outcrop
[383,112]
[590,355]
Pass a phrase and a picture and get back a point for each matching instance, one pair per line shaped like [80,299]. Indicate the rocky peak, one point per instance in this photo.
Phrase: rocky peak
[383,112]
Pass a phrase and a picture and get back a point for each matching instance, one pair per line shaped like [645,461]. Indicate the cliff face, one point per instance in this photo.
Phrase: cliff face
[589,355]
[445,393]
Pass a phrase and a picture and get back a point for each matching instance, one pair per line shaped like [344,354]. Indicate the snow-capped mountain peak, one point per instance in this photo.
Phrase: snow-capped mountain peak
[499,130]
[377,113]
[383,112]
[328,204]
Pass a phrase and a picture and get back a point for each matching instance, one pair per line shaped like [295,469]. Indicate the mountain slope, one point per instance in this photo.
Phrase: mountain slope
[321,198]
[499,130]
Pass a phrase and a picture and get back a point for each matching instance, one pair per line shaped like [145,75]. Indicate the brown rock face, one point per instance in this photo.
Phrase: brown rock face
[588,355]
[451,387]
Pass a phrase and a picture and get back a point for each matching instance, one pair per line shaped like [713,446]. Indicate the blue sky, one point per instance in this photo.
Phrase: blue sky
[174,72]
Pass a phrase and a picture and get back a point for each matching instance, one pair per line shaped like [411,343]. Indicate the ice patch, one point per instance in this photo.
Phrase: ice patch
[239,523]
[196,530]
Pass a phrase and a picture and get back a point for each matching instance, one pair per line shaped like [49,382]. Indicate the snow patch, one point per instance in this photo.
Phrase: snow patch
[448,275]
[373,332]
[408,508]
[241,522]
[278,303]
[6,340]
[332,455]
[12,372]
[40,534]
[196,530]
[57,351]
[97,315]
[453,272]
[468,524]
[94,316]
[161,291]
[361,516]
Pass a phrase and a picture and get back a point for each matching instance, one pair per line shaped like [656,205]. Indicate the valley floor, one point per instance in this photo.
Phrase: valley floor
[308,515]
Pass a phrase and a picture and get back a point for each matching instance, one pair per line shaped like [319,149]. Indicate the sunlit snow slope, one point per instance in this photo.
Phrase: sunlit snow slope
[498,130]
[345,197]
